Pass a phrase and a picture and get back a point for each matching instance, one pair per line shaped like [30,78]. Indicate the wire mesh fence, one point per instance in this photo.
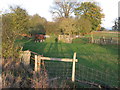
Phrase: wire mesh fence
[113,40]
[58,69]
[84,75]
[89,75]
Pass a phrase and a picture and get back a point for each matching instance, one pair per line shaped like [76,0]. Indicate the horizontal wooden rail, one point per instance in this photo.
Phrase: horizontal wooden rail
[58,59]
[34,52]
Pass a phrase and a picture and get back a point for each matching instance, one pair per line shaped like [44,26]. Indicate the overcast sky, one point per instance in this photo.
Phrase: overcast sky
[42,7]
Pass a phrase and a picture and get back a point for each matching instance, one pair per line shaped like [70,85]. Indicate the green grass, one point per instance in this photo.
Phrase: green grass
[98,57]
[51,39]
[91,55]
[105,34]
[81,40]
[98,35]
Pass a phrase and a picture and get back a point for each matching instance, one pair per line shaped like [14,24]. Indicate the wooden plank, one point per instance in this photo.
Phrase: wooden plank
[73,68]
[59,59]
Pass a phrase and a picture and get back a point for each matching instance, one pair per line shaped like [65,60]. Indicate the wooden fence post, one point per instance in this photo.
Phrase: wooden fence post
[36,63]
[104,41]
[39,63]
[92,39]
[73,67]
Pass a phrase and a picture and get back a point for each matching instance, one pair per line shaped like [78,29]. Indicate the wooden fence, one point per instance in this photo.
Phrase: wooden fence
[81,74]
[26,55]
[104,40]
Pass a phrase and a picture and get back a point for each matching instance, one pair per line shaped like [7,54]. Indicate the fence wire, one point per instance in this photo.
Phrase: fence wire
[83,74]
[90,75]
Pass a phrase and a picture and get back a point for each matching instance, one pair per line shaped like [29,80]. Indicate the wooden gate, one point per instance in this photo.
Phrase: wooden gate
[39,59]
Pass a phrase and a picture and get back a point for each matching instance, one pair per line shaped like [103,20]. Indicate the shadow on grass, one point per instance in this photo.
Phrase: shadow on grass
[35,47]
[111,48]
[56,50]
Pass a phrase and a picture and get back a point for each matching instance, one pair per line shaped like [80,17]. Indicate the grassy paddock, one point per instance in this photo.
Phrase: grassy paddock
[96,63]
[97,35]
[100,58]
[91,55]
[106,34]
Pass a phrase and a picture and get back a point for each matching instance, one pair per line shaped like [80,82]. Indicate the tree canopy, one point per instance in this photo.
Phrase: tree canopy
[83,26]
[67,26]
[14,24]
[90,11]
[88,17]
[52,28]
[37,24]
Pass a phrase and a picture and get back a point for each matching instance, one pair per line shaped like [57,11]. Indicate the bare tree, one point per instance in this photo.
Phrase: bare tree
[116,26]
[63,8]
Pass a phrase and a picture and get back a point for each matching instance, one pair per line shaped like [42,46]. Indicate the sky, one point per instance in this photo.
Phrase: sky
[42,7]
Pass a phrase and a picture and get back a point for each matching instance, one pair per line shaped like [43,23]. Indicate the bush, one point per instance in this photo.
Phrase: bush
[15,74]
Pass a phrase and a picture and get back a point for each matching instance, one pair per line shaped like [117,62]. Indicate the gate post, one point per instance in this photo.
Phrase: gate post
[73,67]
[39,63]
[35,68]
[25,57]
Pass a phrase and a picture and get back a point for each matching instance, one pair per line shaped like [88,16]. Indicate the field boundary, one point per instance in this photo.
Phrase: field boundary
[78,73]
